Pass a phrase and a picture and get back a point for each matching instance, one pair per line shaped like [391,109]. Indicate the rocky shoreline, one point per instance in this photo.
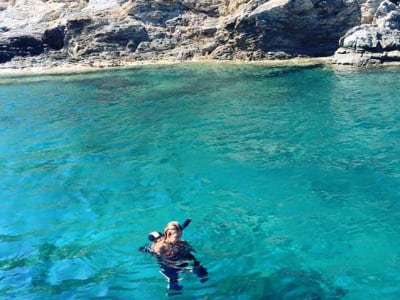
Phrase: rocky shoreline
[52,36]
[106,65]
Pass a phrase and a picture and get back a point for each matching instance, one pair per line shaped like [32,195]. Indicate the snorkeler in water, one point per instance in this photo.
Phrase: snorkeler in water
[174,254]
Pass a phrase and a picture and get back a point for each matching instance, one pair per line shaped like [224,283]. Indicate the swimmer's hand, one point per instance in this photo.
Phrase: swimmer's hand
[145,249]
[199,270]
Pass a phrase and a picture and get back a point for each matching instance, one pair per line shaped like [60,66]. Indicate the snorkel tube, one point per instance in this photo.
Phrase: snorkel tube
[185,224]
[155,235]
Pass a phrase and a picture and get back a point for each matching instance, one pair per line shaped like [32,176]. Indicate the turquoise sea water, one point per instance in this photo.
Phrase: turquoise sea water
[291,177]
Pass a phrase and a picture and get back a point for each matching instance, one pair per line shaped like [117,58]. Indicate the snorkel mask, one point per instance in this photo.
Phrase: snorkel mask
[155,235]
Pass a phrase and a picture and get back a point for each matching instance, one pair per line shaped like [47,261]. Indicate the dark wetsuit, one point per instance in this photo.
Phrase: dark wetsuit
[174,258]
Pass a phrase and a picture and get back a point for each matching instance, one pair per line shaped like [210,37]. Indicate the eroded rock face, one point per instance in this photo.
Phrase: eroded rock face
[368,9]
[306,27]
[22,45]
[113,32]
[375,43]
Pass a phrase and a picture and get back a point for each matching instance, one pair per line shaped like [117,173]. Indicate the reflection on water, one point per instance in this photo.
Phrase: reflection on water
[290,175]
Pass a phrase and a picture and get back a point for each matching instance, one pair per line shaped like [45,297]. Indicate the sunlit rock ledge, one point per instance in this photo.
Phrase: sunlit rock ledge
[109,33]
[375,43]
[69,68]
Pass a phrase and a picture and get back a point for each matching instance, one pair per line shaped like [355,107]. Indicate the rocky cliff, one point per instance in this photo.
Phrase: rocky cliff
[376,40]
[117,32]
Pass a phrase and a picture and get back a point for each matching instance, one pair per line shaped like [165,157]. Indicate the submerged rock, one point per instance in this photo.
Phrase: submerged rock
[116,32]
[297,284]
[286,283]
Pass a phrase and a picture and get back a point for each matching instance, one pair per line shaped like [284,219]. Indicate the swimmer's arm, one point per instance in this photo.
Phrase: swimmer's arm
[149,249]
[190,256]
[198,269]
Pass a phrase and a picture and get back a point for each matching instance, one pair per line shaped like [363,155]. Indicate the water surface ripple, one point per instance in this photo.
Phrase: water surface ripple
[291,176]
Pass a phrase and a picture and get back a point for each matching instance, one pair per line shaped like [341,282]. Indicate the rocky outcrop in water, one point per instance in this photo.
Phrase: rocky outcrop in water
[116,32]
[374,43]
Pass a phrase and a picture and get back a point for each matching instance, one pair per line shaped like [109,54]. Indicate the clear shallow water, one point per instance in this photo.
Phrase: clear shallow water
[291,177]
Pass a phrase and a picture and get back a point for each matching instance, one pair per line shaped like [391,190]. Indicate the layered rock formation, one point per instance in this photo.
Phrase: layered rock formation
[116,32]
[377,41]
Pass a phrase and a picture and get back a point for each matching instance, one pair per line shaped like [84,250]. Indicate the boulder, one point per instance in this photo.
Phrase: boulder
[375,43]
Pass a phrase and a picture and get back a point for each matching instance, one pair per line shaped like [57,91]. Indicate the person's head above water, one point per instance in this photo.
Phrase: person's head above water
[156,236]
[172,232]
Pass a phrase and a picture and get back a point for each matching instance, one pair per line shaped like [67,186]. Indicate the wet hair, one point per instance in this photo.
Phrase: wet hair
[174,225]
